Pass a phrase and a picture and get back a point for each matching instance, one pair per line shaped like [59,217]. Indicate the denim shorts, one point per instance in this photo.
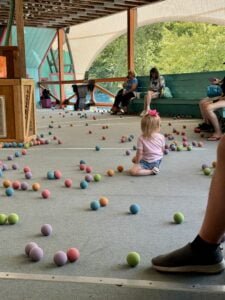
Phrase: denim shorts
[149,165]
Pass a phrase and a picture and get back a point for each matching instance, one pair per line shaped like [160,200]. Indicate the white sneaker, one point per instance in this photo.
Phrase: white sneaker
[155,170]
[143,113]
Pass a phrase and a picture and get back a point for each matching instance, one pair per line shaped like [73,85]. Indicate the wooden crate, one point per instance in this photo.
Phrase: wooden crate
[17,110]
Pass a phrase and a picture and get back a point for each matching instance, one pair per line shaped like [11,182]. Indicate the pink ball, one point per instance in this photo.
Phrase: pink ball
[29,247]
[24,186]
[59,142]
[46,229]
[89,178]
[16,185]
[28,175]
[26,169]
[57,174]
[45,194]
[36,253]
[82,167]
[68,183]
[200,144]
[88,169]
[60,258]
[73,254]
[24,152]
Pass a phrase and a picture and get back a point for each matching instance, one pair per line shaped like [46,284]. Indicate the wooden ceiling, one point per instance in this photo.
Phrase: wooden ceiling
[65,13]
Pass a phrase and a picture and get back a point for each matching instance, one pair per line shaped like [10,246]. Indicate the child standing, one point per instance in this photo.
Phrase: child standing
[150,146]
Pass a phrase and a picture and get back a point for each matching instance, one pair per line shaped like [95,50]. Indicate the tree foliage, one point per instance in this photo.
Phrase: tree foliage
[174,47]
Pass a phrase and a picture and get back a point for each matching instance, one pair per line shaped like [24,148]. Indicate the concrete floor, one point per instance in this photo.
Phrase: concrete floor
[104,237]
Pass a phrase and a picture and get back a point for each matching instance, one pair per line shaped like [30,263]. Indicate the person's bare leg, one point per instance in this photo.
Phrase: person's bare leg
[149,99]
[202,105]
[136,170]
[213,227]
[212,117]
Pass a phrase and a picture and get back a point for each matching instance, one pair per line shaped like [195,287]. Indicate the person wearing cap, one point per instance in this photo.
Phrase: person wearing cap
[124,95]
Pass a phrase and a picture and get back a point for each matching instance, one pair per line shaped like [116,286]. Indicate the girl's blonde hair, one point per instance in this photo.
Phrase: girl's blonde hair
[150,124]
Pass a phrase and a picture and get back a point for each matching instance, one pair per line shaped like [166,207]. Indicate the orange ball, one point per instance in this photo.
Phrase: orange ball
[120,168]
[104,201]
[110,172]
[7,183]
[214,164]
[36,187]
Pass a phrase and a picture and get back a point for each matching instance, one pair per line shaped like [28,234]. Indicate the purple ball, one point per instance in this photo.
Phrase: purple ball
[28,175]
[46,229]
[4,167]
[10,157]
[60,258]
[128,152]
[194,143]
[166,151]
[15,166]
[24,186]
[89,178]
[204,166]
[36,253]
[29,246]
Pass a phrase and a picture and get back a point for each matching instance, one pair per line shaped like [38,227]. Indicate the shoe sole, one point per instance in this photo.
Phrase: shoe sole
[208,269]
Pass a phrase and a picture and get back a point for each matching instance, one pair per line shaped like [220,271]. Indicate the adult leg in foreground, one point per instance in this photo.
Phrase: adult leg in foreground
[203,254]
[212,117]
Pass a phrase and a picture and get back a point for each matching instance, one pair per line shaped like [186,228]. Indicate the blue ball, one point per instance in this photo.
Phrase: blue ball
[97,148]
[14,144]
[1,173]
[82,162]
[83,184]
[50,175]
[9,191]
[95,205]
[134,209]
[20,145]
[6,145]
[134,148]
[17,154]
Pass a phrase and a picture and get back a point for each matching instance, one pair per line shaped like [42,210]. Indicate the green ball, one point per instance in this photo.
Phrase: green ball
[133,259]
[13,219]
[27,146]
[97,177]
[178,218]
[189,148]
[3,219]
[179,148]
[207,171]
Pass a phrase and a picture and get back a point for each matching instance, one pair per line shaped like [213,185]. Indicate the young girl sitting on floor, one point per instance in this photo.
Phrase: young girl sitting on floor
[150,146]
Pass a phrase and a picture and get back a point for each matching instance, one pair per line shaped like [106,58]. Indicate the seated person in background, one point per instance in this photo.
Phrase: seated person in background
[156,85]
[208,106]
[123,96]
[91,90]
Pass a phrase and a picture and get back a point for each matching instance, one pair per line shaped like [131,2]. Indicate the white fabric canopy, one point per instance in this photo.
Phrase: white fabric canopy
[89,39]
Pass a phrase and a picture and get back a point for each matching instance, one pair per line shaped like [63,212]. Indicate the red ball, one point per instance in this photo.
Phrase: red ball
[24,152]
[82,167]
[68,183]
[57,174]
[73,254]
[88,169]
[26,169]
[45,194]
[16,185]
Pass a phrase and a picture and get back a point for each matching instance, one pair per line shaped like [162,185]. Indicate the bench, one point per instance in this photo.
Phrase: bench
[187,89]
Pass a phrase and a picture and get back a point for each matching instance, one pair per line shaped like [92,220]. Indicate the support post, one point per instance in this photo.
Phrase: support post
[61,64]
[20,36]
[131,27]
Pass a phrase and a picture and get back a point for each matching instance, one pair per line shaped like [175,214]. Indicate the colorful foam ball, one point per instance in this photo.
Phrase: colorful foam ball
[73,254]
[57,174]
[134,209]
[178,218]
[82,162]
[214,164]
[7,183]
[59,142]
[68,183]
[15,166]
[9,192]
[97,177]
[110,172]
[97,148]
[1,173]
[50,175]
[207,171]
[24,152]
[3,219]
[204,166]
[89,178]
[29,246]
[88,169]
[120,169]
[10,157]
[94,205]
[28,175]
[200,144]
[45,194]
[5,167]
[104,201]
[60,258]
[128,152]
[83,184]
[179,148]
[24,186]
[134,148]
[189,148]
[36,254]
[16,185]
[26,169]
[46,229]
[133,259]
[36,186]
[194,144]
[13,219]
[82,167]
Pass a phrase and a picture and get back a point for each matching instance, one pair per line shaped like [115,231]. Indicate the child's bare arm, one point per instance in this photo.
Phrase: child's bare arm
[138,157]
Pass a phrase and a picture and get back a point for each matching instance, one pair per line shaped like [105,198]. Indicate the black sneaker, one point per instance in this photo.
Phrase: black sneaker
[187,260]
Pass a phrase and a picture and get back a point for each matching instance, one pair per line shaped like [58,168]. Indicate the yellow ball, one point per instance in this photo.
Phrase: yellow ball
[104,201]
[36,187]
[7,183]
[110,173]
